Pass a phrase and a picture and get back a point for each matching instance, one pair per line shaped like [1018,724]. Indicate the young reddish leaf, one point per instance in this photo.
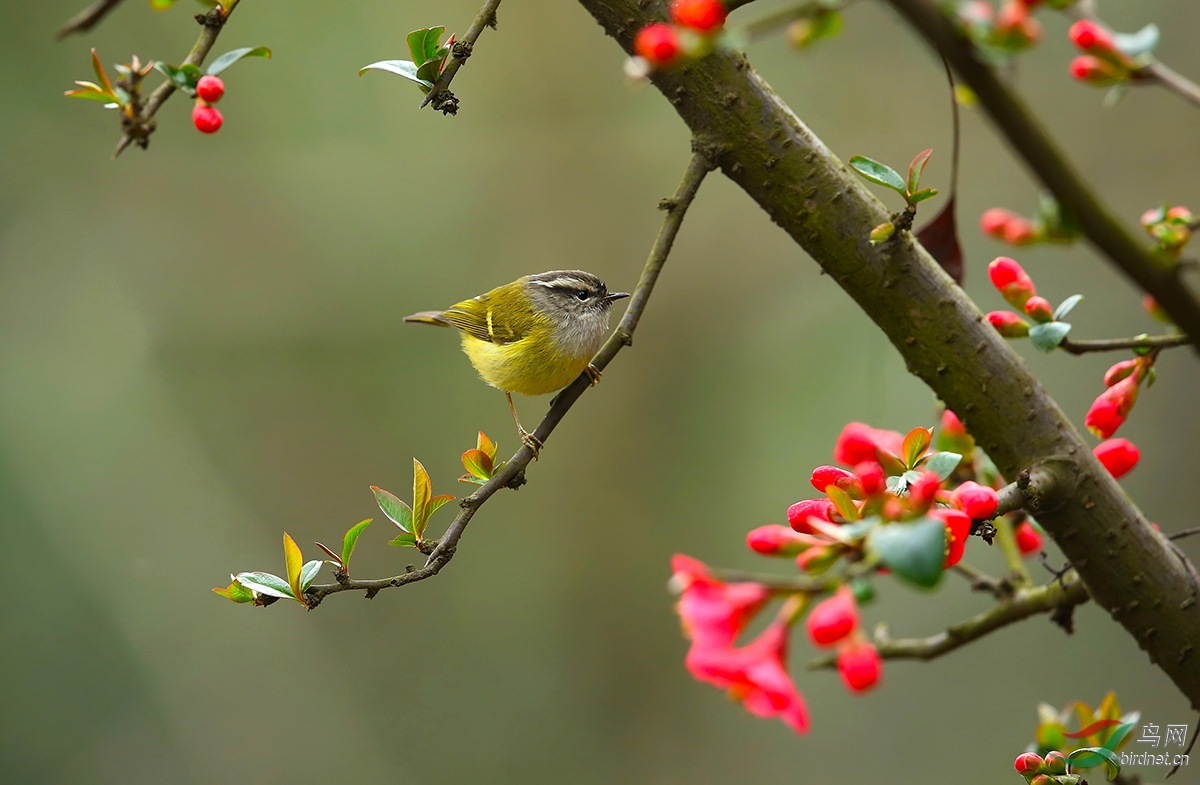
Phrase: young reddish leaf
[397,511]
[478,464]
[336,559]
[842,501]
[940,238]
[486,446]
[916,168]
[101,77]
[915,445]
[350,540]
[294,561]
[422,490]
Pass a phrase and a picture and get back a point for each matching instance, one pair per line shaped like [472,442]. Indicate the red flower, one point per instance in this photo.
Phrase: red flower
[799,513]
[958,528]
[860,666]
[1008,324]
[975,500]
[1029,540]
[658,44]
[824,476]
[703,16]
[1109,411]
[1012,281]
[775,540]
[713,612]
[1119,456]
[859,442]
[833,619]
[754,674]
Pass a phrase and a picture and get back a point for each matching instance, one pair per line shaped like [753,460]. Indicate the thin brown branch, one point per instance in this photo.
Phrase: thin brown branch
[1185,533]
[458,55]
[981,581]
[137,129]
[1116,344]
[1025,603]
[512,474]
[87,18]
[779,584]
[782,17]
[1048,163]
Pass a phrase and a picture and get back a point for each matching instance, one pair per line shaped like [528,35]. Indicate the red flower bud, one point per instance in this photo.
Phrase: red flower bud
[1029,540]
[210,88]
[703,16]
[958,528]
[1008,324]
[207,119]
[924,490]
[816,559]
[975,500]
[1020,231]
[952,426]
[1109,411]
[774,540]
[1056,763]
[1095,71]
[798,514]
[1119,456]
[824,476]
[871,477]
[658,44]
[993,221]
[1010,278]
[1180,215]
[1119,371]
[860,666]
[833,619]
[1015,27]
[1028,764]
[1039,309]
[859,442]
[1155,310]
[1093,38]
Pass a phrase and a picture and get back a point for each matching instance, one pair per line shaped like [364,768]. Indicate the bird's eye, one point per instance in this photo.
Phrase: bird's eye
[582,294]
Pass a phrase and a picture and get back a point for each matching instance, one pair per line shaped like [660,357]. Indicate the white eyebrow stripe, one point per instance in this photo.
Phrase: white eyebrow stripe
[565,282]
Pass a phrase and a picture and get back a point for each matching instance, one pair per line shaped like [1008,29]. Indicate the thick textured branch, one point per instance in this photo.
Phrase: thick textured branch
[512,474]
[87,18]
[459,54]
[763,147]
[1024,603]
[139,128]
[1048,163]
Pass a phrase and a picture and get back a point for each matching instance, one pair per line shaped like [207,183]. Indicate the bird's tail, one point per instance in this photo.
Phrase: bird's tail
[428,317]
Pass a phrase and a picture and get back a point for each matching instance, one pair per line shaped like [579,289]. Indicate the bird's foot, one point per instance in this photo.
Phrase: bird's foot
[593,373]
[530,441]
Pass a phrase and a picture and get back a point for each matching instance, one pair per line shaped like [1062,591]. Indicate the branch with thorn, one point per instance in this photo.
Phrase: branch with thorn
[438,95]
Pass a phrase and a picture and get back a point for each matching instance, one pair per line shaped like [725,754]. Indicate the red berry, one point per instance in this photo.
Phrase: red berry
[860,667]
[833,619]
[210,89]
[658,44]
[1119,456]
[207,119]
[1029,541]
[701,15]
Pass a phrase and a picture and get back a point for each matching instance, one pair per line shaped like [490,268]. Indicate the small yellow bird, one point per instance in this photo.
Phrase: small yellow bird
[532,336]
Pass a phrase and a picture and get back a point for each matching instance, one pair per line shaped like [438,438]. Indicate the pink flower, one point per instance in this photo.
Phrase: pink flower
[799,513]
[754,674]
[859,442]
[713,612]
[977,501]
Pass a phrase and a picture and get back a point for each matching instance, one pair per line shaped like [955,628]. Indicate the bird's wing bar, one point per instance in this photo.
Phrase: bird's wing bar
[476,317]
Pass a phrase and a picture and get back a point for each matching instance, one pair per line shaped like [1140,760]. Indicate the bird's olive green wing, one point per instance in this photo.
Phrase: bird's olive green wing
[482,318]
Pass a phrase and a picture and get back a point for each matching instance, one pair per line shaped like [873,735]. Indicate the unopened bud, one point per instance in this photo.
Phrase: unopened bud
[1094,71]
[993,221]
[1011,280]
[1156,311]
[883,232]
[1039,309]
[1008,324]
[1109,411]
[1028,764]
[1056,762]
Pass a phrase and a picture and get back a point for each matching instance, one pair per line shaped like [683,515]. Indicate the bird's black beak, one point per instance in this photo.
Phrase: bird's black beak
[614,296]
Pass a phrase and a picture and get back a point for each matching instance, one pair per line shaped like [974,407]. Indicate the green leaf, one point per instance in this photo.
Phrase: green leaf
[265,583]
[422,491]
[921,196]
[161,5]
[236,592]
[405,540]
[896,484]
[915,444]
[436,503]
[1115,94]
[403,68]
[1046,337]
[911,476]
[350,540]
[1065,307]
[308,573]
[430,71]
[423,44]
[916,168]
[478,464]
[89,94]
[1087,757]
[878,173]
[183,78]
[232,56]
[842,501]
[397,511]
[943,464]
[294,561]
[914,551]
[1140,43]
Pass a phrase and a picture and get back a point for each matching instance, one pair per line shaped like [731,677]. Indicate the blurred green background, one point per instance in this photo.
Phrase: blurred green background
[201,347]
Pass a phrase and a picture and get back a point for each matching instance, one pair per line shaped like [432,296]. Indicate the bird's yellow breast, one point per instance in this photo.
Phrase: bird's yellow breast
[533,365]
